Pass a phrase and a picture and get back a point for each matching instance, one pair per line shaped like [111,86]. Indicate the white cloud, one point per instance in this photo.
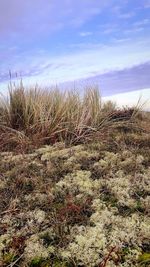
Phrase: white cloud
[110,30]
[84,34]
[127,15]
[133,30]
[89,59]
[122,40]
[141,22]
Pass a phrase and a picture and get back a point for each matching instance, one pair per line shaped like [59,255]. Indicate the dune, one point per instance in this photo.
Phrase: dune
[132,98]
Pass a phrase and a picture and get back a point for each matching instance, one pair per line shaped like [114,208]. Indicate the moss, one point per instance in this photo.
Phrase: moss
[61,263]
[139,206]
[108,197]
[146,247]
[39,262]
[144,259]
[126,211]
[8,258]
[125,251]
[76,204]
[49,239]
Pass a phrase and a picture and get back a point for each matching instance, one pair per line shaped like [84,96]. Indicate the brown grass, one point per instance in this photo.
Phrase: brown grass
[34,117]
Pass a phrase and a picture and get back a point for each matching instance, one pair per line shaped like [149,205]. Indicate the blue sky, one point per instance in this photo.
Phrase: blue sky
[53,41]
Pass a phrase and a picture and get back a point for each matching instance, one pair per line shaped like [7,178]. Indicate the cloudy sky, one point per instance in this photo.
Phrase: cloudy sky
[53,41]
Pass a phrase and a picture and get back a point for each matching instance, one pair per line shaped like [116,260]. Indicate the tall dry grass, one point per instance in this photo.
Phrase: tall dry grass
[29,118]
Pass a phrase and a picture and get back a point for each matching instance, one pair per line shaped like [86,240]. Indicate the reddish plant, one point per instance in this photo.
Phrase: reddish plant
[109,256]
[73,212]
[17,243]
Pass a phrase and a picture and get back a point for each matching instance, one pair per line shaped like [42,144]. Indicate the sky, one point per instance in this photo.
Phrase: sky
[52,41]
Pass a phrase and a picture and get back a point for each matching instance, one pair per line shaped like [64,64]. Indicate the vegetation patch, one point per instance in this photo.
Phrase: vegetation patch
[80,202]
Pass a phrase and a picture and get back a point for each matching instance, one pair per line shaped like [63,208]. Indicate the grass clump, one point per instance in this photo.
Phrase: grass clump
[34,117]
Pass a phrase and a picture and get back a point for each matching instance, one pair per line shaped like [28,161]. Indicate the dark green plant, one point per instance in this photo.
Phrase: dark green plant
[39,262]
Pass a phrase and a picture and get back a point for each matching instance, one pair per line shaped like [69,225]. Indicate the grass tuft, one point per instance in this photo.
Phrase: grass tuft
[34,117]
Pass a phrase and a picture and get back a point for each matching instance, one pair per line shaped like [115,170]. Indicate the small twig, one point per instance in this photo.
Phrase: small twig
[9,211]
[13,263]
[104,262]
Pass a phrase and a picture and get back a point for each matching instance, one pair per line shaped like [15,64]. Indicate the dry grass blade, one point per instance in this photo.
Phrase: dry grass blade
[35,116]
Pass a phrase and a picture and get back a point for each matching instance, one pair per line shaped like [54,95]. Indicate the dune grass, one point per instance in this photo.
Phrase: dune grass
[33,117]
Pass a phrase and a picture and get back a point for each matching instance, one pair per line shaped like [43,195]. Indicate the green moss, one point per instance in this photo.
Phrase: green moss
[144,259]
[139,206]
[8,258]
[60,263]
[109,198]
[125,251]
[39,262]
[49,239]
